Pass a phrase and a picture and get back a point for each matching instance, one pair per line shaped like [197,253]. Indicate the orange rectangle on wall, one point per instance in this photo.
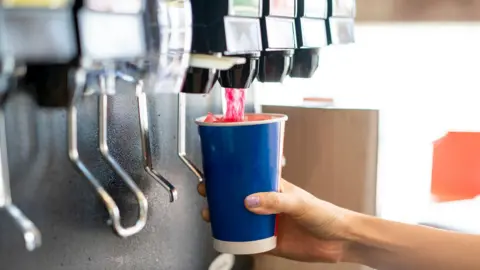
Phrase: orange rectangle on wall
[456,167]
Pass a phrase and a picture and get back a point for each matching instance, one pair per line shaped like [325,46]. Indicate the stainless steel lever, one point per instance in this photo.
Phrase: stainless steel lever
[31,234]
[181,137]
[145,136]
[112,208]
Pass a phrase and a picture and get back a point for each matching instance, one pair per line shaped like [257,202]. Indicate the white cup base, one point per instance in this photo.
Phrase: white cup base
[245,248]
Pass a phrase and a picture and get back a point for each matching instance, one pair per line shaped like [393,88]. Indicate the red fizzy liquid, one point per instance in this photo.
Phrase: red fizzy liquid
[211,118]
[235,111]
[235,100]
[235,105]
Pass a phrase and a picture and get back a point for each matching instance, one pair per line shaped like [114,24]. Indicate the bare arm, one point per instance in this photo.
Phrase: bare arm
[387,245]
[332,234]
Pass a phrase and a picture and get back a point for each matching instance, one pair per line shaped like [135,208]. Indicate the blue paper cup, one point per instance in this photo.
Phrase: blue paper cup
[240,159]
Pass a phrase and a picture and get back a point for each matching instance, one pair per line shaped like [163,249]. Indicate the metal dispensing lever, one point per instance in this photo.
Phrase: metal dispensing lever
[107,86]
[214,62]
[145,134]
[8,73]
[31,234]
[181,137]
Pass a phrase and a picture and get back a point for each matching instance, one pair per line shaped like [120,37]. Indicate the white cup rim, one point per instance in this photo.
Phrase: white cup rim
[275,118]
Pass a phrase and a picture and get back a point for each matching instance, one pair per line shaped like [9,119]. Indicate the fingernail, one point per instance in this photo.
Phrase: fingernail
[253,201]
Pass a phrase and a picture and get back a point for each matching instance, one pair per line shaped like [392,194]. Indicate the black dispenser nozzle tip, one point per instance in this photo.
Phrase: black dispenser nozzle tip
[199,81]
[305,63]
[240,76]
[275,66]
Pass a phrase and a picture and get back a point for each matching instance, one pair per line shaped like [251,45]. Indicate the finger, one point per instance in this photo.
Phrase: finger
[201,189]
[206,215]
[275,203]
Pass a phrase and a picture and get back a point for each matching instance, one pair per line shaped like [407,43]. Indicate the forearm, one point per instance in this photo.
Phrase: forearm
[387,245]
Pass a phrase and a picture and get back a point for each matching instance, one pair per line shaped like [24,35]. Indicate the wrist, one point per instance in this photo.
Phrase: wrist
[356,251]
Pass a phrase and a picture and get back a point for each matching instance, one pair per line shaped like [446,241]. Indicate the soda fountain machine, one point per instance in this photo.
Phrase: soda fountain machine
[65,52]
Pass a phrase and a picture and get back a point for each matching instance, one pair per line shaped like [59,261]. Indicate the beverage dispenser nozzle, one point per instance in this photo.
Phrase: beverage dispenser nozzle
[223,31]
[241,76]
[279,40]
[320,23]
[311,30]
[235,30]
[203,71]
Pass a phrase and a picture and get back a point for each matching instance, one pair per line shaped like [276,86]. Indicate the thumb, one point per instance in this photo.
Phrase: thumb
[273,203]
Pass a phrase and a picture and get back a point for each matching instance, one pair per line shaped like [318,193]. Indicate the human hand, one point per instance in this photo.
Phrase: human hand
[309,229]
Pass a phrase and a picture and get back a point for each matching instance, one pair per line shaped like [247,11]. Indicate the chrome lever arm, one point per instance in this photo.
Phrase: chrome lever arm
[112,208]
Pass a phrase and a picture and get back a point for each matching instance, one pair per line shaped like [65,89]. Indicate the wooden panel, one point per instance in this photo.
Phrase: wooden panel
[332,153]
[418,10]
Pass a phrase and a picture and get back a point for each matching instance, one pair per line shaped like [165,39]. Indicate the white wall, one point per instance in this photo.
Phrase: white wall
[425,79]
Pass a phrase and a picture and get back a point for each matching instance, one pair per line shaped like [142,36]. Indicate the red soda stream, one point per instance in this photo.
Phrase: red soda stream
[235,105]
[235,99]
